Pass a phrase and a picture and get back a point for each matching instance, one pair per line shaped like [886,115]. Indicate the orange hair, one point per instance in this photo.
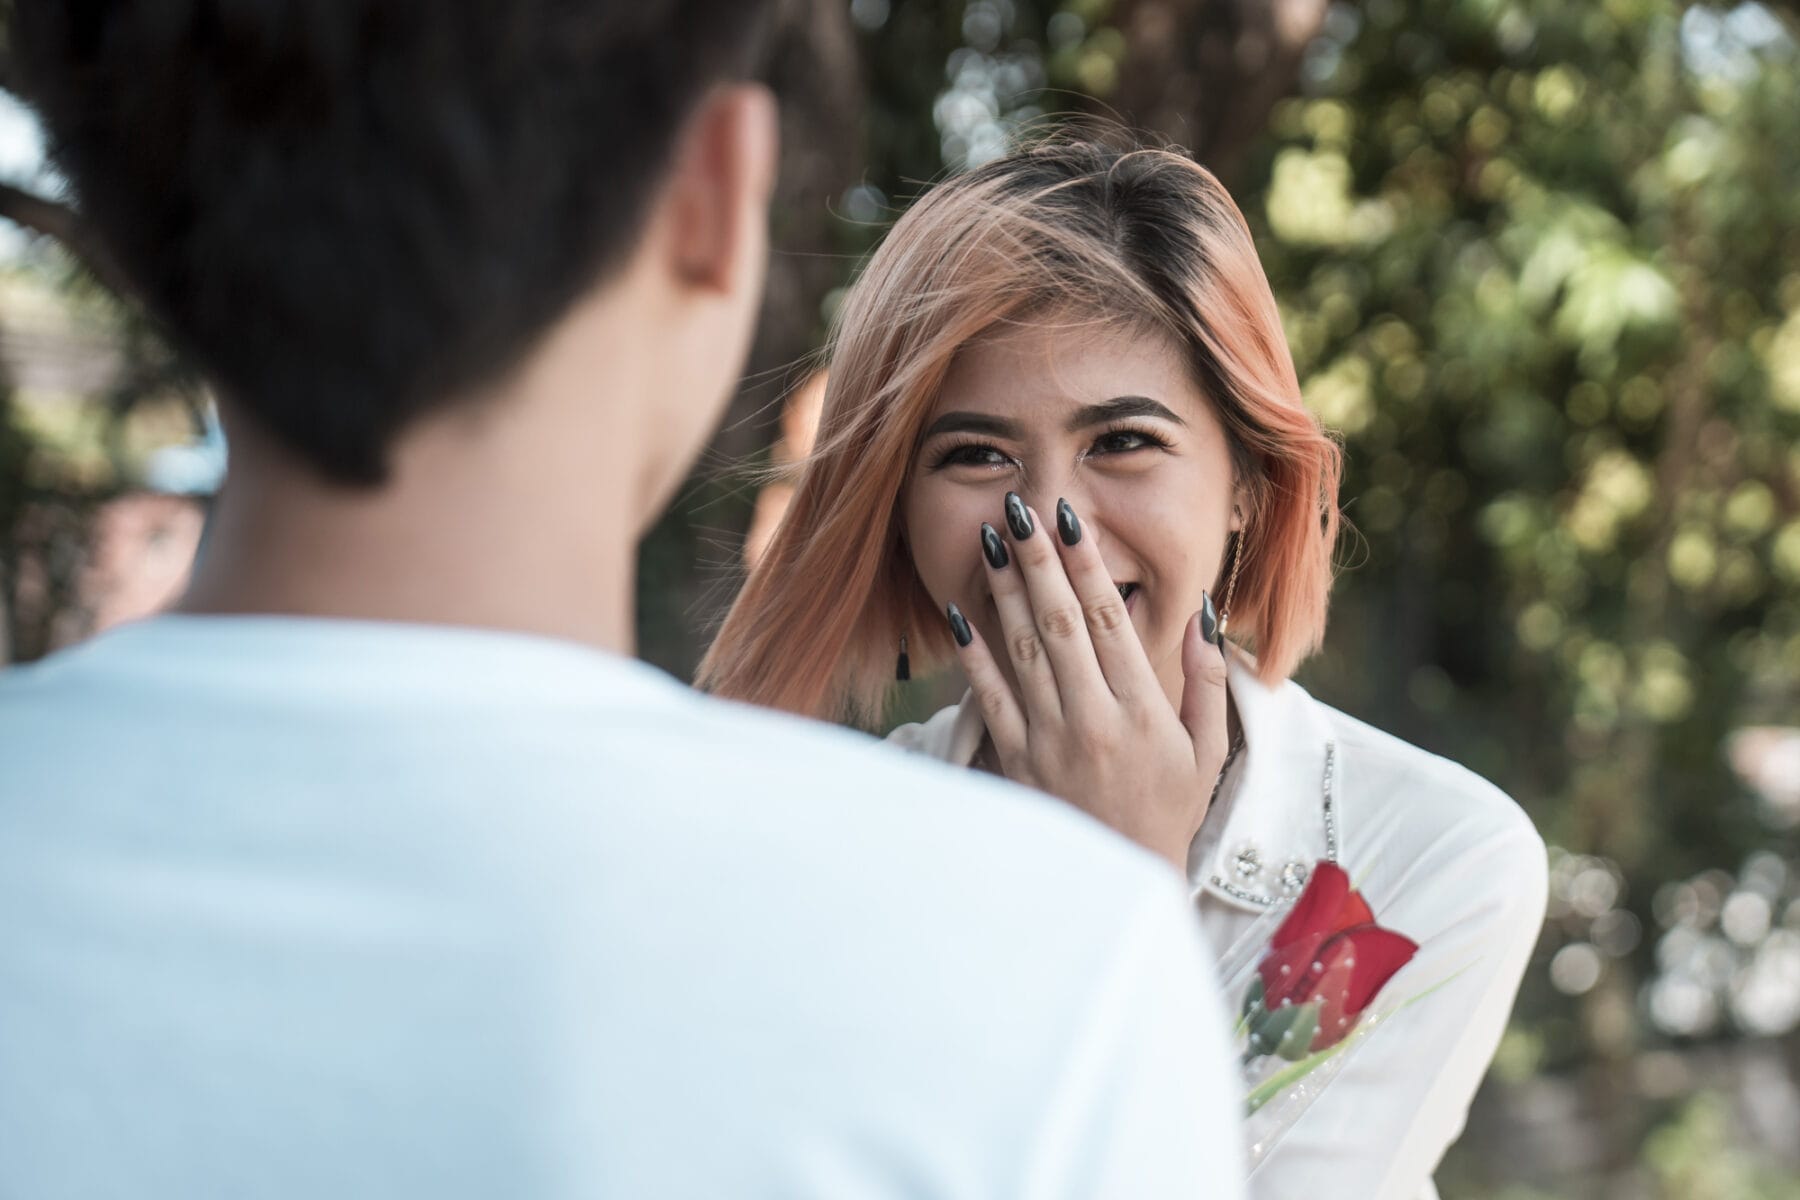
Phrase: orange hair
[1143,235]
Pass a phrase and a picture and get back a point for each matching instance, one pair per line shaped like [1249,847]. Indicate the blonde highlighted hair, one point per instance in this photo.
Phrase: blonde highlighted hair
[1145,236]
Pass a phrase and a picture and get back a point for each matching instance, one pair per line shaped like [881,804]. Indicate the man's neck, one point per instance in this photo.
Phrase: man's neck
[503,522]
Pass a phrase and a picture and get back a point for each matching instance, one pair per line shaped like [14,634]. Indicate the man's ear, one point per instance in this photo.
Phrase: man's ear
[716,201]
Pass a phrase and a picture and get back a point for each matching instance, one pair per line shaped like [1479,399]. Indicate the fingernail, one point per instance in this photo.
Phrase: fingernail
[959,628]
[1209,620]
[993,547]
[1068,525]
[1018,517]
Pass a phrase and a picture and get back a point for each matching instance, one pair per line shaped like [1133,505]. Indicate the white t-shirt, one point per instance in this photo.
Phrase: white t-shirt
[323,908]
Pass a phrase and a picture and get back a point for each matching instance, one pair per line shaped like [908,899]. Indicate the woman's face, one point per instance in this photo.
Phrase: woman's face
[1105,417]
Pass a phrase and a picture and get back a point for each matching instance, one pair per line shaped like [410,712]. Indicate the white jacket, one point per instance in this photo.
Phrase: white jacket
[1440,854]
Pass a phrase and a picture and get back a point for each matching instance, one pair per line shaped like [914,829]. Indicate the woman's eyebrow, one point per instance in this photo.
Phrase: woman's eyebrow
[971,422]
[1119,407]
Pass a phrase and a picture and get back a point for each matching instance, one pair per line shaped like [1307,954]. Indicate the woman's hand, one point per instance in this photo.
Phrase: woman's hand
[1090,722]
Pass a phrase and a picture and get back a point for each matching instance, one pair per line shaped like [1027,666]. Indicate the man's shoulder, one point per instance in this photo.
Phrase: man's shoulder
[598,748]
[834,812]
[849,772]
[877,878]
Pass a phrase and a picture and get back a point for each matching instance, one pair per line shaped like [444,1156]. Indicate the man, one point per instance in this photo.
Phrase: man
[381,869]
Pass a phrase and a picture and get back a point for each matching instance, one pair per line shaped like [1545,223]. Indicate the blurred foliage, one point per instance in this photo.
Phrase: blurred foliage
[1694,1157]
[1542,269]
[101,400]
[1539,263]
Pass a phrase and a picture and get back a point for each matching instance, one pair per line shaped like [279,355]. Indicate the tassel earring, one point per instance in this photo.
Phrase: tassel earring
[1237,561]
[903,665]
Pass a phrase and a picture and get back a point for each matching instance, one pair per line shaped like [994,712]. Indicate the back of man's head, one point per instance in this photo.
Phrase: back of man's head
[354,213]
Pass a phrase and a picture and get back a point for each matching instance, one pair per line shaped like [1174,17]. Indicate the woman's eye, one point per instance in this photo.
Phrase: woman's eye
[1123,441]
[976,456]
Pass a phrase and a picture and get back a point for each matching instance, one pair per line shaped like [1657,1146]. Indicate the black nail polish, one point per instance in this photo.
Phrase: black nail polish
[1209,620]
[959,628]
[1068,525]
[993,547]
[1018,517]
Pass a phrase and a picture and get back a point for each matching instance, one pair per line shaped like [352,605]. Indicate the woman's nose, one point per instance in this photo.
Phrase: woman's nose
[1043,493]
[1044,501]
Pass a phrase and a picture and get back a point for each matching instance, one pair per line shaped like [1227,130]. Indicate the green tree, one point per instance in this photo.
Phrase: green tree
[1539,265]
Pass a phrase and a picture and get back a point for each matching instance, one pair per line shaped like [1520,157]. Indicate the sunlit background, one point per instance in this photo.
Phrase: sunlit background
[1539,264]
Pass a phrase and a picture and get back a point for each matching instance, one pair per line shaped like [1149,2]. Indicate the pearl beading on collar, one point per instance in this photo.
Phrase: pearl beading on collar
[1326,788]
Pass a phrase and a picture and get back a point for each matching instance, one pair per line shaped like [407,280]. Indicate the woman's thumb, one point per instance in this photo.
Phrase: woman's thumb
[1203,696]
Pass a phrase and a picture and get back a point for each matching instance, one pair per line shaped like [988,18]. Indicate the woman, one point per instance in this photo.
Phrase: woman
[1082,337]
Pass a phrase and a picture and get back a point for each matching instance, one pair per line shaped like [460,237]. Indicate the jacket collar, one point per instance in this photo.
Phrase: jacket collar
[1275,814]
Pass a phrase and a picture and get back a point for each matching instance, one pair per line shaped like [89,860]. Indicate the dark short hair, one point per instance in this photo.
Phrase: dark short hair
[354,212]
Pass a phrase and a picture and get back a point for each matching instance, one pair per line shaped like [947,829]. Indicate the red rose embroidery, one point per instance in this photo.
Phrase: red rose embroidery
[1321,970]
